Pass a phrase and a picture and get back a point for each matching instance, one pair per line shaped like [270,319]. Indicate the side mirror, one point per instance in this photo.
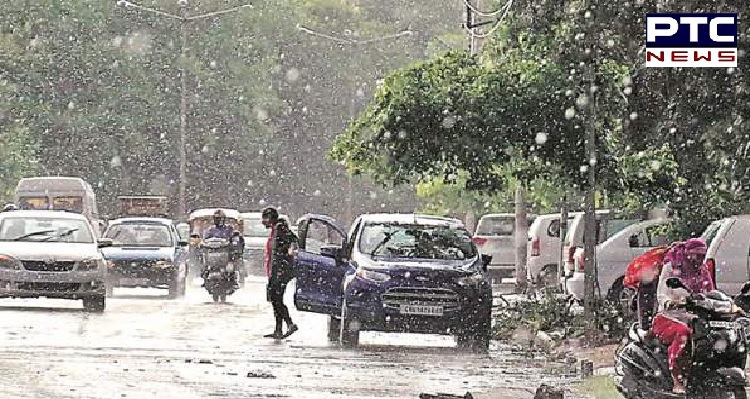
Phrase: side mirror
[486,259]
[675,283]
[104,242]
[183,243]
[633,241]
[745,288]
[332,252]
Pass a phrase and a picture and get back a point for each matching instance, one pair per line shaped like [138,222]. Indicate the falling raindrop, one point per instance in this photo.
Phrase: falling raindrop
[570,113]
[292,75]
[448,122]
[633,116]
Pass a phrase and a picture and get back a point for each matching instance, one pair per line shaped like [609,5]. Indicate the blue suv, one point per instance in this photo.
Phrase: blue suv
[147,253]
[397,273]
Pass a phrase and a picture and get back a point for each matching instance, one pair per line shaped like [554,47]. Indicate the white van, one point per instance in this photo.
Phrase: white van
[728,253]
[544,249]
[71,194]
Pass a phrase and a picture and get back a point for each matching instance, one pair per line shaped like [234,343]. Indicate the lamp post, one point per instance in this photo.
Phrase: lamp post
[184,19]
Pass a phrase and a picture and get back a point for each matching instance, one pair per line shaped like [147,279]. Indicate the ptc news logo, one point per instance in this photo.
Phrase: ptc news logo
[691,40]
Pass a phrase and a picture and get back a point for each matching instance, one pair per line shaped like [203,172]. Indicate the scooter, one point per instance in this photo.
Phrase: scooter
[219,271]
[718,352]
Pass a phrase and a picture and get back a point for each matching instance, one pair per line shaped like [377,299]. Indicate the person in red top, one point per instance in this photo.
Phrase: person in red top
[280,249]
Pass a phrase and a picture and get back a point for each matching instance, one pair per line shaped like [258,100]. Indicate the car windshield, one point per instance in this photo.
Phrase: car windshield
[139,235]
[254,228]
[416,241]
[47,229]
[710,233]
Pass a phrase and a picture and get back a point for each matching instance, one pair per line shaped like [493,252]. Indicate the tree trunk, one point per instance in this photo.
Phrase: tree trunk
[521,232]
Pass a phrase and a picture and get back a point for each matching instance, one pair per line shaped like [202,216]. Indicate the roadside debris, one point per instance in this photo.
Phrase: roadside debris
[444,396]
[549,392]
[266,376]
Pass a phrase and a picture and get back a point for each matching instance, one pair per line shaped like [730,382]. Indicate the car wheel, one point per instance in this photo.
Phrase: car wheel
[174,285]
[350,326]
[95,304]
[477,337]
[334,328]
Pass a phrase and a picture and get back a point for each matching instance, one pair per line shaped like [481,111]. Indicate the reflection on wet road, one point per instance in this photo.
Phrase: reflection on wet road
[146,346]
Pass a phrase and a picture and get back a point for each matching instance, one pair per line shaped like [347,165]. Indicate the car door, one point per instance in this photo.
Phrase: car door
[320,265]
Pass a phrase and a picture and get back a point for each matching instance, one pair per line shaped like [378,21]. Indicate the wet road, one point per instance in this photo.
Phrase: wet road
[145,346]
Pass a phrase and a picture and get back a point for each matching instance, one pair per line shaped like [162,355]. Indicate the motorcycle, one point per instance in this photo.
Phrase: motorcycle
[717,350]
[219,259]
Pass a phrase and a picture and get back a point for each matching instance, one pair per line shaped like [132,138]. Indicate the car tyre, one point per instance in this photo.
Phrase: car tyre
[349,328]
[334,328]
[174,285]
[477,337]
[95,304]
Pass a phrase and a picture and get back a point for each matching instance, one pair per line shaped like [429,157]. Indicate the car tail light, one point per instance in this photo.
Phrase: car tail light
[711,266]
[571,254]
[480,241]
[536,247]
[581,259]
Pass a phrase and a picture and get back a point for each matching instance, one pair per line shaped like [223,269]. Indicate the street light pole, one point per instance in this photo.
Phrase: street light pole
[184,19]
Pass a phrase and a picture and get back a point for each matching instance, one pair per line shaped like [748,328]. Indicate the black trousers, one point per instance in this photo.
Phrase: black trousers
[646,303]
[275,293]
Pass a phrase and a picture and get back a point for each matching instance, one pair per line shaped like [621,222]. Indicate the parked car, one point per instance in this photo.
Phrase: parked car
[728,253]
[53,254]
[394,272]
[613,256]
[495,236]
[607,224]
[544,249]
[256,237]
[148,253]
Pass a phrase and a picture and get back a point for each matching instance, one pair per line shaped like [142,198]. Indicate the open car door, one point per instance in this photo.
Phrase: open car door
[320,265]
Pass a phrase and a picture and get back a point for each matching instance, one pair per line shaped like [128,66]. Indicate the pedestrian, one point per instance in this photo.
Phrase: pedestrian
[281,248]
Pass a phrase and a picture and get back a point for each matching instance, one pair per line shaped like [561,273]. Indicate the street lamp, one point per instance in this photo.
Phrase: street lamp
[184,20]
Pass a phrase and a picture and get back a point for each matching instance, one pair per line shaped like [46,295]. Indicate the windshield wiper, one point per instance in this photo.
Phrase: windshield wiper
[36,233]
[382,242]
[60,235]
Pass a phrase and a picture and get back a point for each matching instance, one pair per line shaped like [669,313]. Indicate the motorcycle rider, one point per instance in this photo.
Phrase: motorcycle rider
[222,230]
[684,261]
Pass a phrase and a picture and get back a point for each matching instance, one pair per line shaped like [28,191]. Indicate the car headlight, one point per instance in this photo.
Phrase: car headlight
[372,275]
[164,263]
[91,264]
[9,263]
[474,279]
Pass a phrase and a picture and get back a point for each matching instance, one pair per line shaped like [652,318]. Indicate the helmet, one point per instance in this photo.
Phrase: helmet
[10,207]
[271,214]
[219,217]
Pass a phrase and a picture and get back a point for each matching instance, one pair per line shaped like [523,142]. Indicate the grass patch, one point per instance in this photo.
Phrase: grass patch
[599,387]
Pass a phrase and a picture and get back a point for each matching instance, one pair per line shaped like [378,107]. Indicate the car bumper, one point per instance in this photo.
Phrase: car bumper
[72,285]
[378,309]
[575,286]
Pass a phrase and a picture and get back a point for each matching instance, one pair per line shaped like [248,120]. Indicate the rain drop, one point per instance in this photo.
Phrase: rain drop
[633,116]
[541,138]
[449,122]
[292,75]
[570,113]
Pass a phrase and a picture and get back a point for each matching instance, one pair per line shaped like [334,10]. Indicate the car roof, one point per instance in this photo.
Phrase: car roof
[43,214]
[506,215]
[409,218]
[209,212]
[142,219]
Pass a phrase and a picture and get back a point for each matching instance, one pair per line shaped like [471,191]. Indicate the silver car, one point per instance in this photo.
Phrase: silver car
[51,254]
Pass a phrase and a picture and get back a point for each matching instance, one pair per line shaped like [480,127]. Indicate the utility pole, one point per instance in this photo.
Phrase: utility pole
[182,188]
[476,40]
[588,93]
[520,233]
[183,19]
[561,272]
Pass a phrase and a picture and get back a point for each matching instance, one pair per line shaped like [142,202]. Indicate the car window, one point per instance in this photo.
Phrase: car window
[254,228]
[554,228]
[45,230]
[654,236]
[415,241]
[320,234]
[710,233]
[490,226]
[140,235]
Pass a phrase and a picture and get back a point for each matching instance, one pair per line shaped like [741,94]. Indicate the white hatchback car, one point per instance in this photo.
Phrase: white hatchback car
[728,254]
[545,250]
[51,254]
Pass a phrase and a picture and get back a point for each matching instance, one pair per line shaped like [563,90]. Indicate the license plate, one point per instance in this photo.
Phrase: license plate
[724,324]
[133,281]
[422,310]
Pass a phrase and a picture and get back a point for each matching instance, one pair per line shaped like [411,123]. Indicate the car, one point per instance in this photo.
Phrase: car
[728,252]
[613,256]
[147,253]
[495,236]
[52,254]
[394,273]
[256,237]
[545,250]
